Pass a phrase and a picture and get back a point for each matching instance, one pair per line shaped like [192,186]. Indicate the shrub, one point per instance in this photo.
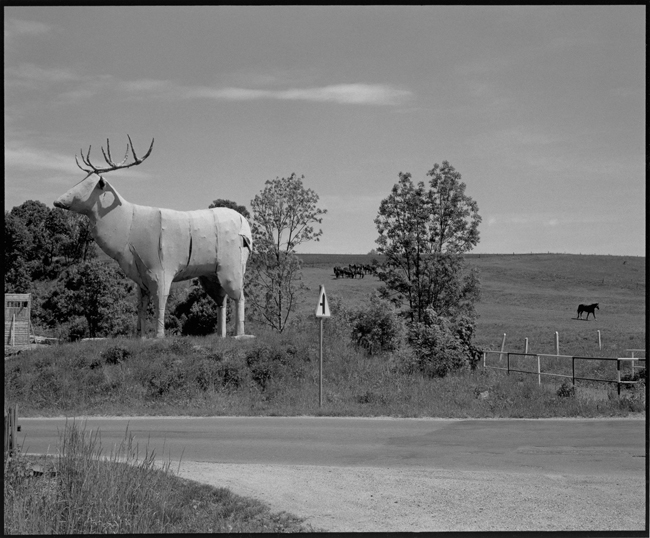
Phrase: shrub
[218,369]
[74,330]
[115,355]
[566,390]
[271,362]
[164,377]
[196,314]
[377,328]
[231,374]
[443,344]
[181,346]
[371,397]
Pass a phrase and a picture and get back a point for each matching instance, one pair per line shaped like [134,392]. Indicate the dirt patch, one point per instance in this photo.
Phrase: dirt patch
[367,499]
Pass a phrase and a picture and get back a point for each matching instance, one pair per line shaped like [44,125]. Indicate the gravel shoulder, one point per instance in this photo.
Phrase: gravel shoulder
[370,499]
[515,481]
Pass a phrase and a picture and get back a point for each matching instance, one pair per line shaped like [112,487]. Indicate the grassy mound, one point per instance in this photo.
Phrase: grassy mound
[278,375]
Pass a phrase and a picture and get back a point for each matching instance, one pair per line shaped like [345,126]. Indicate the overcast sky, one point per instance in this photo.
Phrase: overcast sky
[541,110]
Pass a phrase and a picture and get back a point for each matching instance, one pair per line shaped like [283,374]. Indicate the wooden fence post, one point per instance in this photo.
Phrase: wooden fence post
[526,346]
[503,346]
[14,427]
[10,431]
[573,371]
[557,343]
[6,448]
[600,344]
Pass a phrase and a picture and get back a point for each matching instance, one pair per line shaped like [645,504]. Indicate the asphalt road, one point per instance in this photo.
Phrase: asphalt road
[565,446]
[353,473]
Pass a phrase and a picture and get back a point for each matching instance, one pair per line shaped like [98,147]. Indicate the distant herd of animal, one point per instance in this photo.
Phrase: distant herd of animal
[354,270]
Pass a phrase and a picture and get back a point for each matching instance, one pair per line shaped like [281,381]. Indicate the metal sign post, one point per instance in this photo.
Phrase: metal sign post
[322,311]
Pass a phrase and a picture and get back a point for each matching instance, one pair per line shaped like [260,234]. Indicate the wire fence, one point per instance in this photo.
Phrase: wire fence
[512,364]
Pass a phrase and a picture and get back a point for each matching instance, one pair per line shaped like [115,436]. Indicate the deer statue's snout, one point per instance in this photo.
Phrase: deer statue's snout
[59,203]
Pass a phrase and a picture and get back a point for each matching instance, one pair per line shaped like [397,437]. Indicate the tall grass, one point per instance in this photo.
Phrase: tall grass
[85,492]
[278,375]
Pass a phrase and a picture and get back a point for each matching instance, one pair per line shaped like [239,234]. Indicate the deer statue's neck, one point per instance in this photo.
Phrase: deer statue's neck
[111,216]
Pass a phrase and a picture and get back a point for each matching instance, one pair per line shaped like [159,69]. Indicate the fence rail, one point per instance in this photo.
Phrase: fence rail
[573,358]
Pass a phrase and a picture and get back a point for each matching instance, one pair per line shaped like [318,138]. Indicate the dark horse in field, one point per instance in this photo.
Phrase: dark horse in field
[589,309]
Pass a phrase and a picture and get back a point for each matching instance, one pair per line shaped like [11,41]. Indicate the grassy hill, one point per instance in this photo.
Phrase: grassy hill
[527,296]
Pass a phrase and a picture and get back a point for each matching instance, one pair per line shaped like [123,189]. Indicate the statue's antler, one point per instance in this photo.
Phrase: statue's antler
[109,159]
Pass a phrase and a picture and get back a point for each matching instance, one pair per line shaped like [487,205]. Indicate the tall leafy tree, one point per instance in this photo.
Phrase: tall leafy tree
[423,232]
[54,233]
[220,202]
[284,215]
[17,242]
[34,215]
[72,236]
[95,290]
[454,215]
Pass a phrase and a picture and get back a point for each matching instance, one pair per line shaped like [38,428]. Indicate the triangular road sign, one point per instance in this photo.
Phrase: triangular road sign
[323,308]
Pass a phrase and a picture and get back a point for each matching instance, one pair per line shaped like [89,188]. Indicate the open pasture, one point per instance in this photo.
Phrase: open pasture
[526,296]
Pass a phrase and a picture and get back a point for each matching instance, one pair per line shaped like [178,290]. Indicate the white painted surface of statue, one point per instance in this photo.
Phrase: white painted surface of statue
[155,246]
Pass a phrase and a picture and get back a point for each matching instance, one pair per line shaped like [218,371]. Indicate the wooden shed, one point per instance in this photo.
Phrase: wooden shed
[17,318]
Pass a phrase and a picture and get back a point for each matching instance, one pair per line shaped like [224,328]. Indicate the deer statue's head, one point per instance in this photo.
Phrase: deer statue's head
[94,191]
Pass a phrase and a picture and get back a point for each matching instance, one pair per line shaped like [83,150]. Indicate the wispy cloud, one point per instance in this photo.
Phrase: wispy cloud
[354,94]
[358,94]
[73,86]
[25,158]
[544,218]
[33,75]
[17,28]
[224,94]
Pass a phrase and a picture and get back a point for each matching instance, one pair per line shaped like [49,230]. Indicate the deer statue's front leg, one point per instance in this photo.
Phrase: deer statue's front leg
[159,303]
[239,316]
[222,316]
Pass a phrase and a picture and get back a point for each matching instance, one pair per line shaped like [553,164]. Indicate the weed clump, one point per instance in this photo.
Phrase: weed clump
[566,390]
[275,362]
[115,355]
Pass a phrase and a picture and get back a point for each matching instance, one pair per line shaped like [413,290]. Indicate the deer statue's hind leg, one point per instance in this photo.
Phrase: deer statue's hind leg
[244,253]
[143,302]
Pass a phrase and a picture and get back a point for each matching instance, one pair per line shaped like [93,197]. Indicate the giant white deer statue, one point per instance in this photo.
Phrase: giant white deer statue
[156,247]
